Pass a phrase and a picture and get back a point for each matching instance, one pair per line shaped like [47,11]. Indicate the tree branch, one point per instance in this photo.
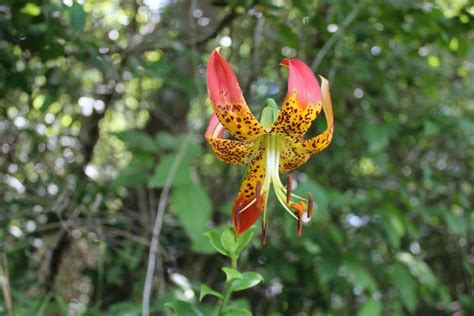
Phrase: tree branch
[332,40]
[157,227]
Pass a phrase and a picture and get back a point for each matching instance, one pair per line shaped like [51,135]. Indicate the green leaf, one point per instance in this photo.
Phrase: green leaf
[419,269]
[237,312]
[201,244]
[183,308]
[311,247]
[249,279]
[360,275]
[166,140]
[328,268]
[231,274]
[405,285]
[193,209]
[77,17]
[138,140]
[215,240]
[287,34]
[228,240]
[456,223]
[393,225]
[243,240]
[371,307]
[162,170]
[206,290]
[378,136]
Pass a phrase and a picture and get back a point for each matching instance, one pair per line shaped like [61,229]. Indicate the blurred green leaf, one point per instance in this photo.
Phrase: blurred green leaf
[31,9]
[184,308]
[405,285]
[237,312]
[161,172]
[138,140]
[77,17]
[418,269]
[371,307]
[328,268]
[457,224]
[360,275]
[185,196]
[165,140]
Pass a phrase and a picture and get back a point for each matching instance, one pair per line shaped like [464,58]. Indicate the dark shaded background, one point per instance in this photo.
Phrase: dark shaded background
[97,97]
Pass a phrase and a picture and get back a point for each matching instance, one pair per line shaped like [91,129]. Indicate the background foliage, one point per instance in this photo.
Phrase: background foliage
[99,98]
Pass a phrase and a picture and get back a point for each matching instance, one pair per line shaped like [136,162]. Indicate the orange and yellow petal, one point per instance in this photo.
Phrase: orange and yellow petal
[249,202]
[228,101]
[230,151]
[319,143]
[302,103]
[291,157]
[295,154]
[233,151]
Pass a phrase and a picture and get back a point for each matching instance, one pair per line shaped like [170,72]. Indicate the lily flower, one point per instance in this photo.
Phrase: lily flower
[272,146]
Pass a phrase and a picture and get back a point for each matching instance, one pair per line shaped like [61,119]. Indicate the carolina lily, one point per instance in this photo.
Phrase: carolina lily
[273,145]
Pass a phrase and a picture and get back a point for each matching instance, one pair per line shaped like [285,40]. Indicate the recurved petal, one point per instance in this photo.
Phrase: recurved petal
[302,102]
[228,101]
[233,151]
[227,150]
[292,157]
[296,154]
[249,203]
[319,143]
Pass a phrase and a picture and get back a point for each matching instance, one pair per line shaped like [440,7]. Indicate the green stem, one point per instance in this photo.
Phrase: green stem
[228,288]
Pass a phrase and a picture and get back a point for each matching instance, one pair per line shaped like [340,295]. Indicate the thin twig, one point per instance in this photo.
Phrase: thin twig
[332,40]
[5,282]
[157,226]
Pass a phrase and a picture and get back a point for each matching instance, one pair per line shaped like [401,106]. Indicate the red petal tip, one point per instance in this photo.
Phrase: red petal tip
[285,62]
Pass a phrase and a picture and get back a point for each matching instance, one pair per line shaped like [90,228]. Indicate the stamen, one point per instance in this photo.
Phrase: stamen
[264,232]
[299,230]
[299,208]
[258,192]
[288,189]
[310,205]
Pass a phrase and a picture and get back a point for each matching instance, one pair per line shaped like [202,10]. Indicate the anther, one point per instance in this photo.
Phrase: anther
[288,189]
[264,232]
[299,230]
[258,193]
[310,205]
